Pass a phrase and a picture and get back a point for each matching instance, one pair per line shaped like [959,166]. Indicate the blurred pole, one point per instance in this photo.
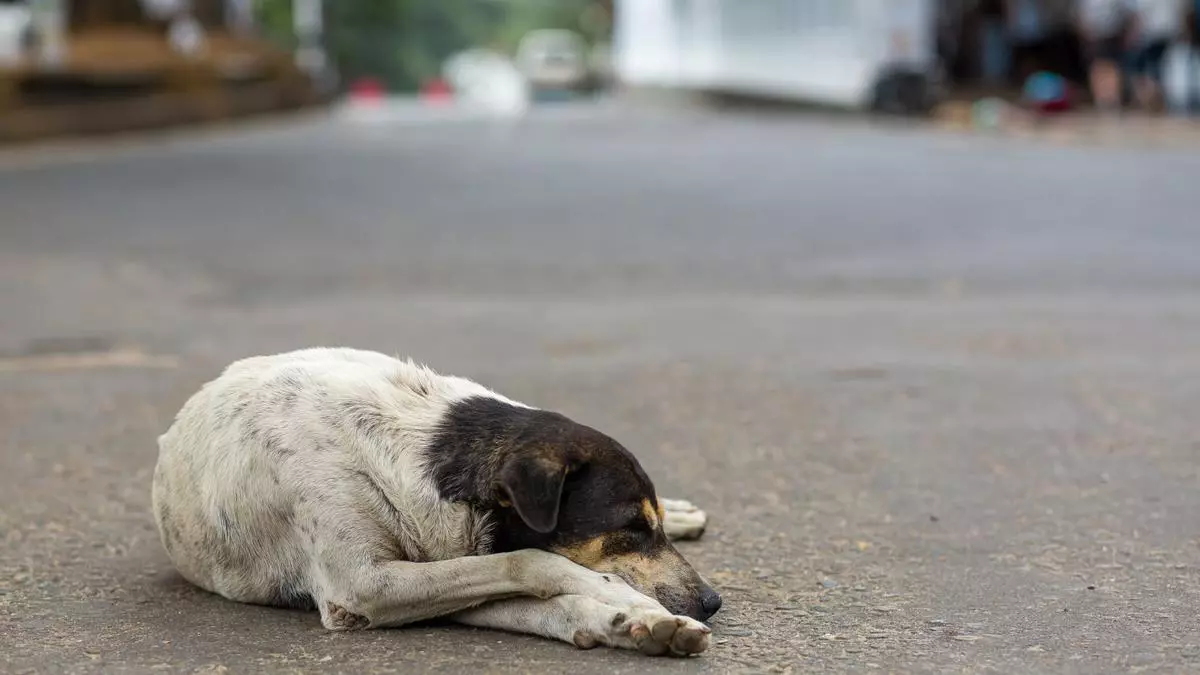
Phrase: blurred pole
[239,17]
[309,26]
[49,18]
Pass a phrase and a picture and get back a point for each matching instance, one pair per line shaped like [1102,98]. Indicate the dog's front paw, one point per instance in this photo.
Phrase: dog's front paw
[683,520]
[643,625]
[339,618]
[656,633]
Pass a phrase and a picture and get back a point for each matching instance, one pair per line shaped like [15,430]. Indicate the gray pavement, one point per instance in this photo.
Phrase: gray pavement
[937,392]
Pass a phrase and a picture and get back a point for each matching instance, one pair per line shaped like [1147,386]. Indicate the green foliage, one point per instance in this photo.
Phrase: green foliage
[436,29]
[368,38]
[404,42]
[527,15]
[275,17]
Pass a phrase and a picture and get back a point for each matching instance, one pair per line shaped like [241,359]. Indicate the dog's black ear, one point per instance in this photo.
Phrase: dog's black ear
[534,485]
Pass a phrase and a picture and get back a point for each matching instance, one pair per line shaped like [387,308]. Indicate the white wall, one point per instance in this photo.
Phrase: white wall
[645,48]
[823,50]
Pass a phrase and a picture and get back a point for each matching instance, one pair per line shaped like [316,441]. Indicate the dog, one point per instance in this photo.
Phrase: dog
[381,493]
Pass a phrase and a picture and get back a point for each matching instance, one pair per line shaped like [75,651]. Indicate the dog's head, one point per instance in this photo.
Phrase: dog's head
[561,486]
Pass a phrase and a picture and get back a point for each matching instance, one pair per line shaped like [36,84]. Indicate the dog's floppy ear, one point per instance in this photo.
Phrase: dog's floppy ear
[534,485]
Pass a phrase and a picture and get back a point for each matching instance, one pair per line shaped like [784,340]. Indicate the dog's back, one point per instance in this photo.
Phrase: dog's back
[258,452]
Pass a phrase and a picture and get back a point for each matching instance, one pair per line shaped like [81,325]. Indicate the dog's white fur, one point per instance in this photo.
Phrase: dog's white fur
[301,475]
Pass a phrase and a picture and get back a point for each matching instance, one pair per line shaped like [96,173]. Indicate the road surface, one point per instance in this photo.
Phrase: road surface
[939,393]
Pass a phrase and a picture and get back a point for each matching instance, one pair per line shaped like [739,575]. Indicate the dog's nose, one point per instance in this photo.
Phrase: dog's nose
[710,602]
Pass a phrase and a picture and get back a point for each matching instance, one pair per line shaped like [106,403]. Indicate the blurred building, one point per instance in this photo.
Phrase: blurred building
[854,53]
[69,66]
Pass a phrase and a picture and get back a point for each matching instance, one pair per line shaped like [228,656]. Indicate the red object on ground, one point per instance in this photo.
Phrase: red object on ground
[1061,105]
[437,91]
[367,90]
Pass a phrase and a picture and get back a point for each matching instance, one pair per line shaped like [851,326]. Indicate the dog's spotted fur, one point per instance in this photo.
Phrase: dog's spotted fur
[381,493]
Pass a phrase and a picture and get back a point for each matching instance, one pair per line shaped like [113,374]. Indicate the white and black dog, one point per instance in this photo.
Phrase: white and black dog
[382,493]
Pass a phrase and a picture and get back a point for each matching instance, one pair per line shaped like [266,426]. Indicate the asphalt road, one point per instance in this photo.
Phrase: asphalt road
[938,393]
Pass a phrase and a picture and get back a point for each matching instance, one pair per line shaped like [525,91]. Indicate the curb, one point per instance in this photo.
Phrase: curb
[1078,129]
[155,111]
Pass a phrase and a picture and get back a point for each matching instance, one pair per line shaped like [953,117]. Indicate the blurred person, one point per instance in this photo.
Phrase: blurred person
[1180,70]
[1041,38]
[1028,34]
[996,58]
[949,37]
[1062,53]
[1193,37]
[1104,28]
[1155,25]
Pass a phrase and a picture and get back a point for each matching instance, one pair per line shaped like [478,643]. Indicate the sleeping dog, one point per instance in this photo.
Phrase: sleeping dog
[381,493]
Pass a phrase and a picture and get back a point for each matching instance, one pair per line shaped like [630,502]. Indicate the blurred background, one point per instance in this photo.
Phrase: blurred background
[913,57]
[904,293]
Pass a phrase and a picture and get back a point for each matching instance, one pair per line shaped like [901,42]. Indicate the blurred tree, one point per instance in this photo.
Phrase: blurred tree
[369,38]
[439,28]
[589,18]
[404,42]
[275,18]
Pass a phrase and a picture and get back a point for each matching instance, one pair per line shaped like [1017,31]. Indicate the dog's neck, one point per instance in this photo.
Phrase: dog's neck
[476,437]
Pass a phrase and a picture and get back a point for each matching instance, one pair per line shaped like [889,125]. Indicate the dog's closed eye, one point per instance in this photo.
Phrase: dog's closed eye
[640,524]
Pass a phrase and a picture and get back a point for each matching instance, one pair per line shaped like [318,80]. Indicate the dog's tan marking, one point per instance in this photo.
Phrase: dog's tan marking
[588,553]
[662,512]
[636,567]
[643,569]
[651,514]
[639,568]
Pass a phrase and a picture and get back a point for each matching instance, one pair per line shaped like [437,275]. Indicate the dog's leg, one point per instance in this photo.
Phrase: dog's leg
[683,520]
[587,622]
[352,592]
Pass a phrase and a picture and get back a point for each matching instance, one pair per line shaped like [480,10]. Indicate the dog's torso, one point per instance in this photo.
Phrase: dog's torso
[258,454]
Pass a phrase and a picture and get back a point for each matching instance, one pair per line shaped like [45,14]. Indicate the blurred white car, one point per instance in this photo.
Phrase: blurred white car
[554,59]
[486,79]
